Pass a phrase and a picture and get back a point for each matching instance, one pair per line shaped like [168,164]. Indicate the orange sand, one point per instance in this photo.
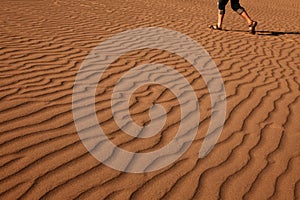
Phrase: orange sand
[44,42]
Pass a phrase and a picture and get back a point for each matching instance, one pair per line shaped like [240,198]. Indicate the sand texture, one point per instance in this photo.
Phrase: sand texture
[42,46]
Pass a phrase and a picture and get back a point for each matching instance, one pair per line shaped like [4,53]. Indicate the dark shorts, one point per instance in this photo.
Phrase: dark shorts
[235,5]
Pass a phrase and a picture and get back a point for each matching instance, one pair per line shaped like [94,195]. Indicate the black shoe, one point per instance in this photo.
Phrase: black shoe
[252,27]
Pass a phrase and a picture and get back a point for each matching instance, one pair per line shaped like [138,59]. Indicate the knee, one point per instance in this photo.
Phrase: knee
[221,7]
[237,8]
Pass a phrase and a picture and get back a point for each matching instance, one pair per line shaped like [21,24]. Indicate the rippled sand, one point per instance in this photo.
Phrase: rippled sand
[42,46]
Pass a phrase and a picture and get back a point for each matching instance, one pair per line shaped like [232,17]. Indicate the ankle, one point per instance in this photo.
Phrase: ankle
[250,22]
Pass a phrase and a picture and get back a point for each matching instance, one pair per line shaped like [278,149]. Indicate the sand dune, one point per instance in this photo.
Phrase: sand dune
[42,46]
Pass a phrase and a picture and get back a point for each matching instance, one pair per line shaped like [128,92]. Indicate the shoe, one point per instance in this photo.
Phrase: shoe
[252,27]
[215,27]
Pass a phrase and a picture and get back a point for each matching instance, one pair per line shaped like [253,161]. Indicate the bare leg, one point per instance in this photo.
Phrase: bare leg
[246,17]
[252,24]
[220,20]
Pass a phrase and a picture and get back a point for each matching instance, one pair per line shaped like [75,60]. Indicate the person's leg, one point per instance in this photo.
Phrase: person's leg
[220,20]
[221,11]
[246,17]
[235,5]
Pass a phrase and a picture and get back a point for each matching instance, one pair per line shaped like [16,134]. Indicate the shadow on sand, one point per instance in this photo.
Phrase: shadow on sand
[268,33]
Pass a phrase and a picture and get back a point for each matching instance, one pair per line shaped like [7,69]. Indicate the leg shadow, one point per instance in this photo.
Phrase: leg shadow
[267,33]
[276,33]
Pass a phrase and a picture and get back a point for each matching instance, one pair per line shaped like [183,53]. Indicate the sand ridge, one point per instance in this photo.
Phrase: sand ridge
[42,46]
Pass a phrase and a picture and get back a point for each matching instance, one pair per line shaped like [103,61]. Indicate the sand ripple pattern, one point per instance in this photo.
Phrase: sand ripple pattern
[98,61]
[42,46]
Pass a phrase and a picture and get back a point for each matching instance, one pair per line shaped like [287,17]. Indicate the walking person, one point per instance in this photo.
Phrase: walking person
[235,5]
